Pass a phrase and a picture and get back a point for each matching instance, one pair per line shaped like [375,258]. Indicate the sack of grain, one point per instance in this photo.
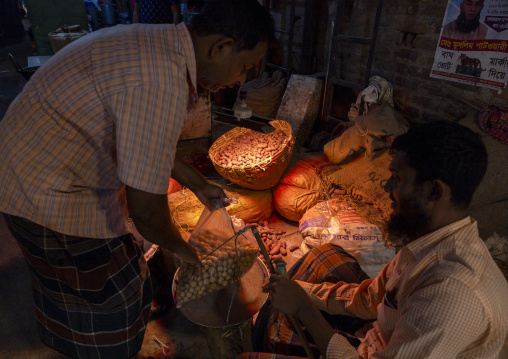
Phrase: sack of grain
[65,35]
[366,177]
[371,132]
[337,221]
[250,205]
[264,93]
[303,186]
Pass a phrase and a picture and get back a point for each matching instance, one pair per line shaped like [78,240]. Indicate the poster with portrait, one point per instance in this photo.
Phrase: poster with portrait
[473,45]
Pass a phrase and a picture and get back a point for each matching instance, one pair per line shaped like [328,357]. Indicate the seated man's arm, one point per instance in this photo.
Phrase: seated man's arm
[289,298]
[356,300]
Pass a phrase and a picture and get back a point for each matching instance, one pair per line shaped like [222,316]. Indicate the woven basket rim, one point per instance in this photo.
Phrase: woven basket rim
[223,141]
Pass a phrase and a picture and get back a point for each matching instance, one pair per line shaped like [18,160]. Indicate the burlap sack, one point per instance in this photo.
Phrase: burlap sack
[303,186]
[174,186]
[251,206]
[264,94]
[367,177]
[371,132]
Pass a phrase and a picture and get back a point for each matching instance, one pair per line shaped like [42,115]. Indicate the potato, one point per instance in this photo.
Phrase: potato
[251,149]
[222,264]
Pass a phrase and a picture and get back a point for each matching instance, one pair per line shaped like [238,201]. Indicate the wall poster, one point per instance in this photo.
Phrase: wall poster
[473,45]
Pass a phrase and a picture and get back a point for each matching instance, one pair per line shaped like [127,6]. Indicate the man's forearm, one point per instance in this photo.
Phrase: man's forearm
[163,234]
[351,299]
[150,214]
[187,175]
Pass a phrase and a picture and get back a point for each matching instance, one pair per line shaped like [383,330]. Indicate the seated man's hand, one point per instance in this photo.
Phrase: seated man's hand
[286,295]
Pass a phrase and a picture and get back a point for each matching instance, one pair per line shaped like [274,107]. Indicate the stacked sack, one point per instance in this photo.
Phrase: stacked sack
[303,186]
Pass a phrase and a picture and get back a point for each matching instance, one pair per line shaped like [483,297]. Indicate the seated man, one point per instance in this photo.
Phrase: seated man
[442,296]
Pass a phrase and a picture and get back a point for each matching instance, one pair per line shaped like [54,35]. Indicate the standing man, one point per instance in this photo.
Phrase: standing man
[442,296]
[94,129]
[467,26]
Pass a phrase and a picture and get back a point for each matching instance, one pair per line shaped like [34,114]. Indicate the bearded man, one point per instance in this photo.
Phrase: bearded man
[442,296]
[467,26]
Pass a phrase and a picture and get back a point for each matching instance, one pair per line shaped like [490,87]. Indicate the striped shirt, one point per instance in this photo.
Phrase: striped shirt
[442,296]
[104,112]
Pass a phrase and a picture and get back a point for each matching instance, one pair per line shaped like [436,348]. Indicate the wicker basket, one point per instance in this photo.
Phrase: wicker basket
[263,175]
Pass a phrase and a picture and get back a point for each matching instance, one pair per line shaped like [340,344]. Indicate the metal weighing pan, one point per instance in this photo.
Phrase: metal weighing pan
[230,305]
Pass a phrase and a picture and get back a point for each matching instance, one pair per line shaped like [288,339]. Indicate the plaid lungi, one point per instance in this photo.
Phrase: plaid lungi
[272,332]
[91,296]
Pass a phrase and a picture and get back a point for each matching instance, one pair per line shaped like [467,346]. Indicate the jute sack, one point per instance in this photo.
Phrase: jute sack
[264,94]
[174,186]
[367,177]
[371,132]
[251,206]
[303,186]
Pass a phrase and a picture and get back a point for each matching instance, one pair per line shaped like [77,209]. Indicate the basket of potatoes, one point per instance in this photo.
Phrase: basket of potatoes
[251,159]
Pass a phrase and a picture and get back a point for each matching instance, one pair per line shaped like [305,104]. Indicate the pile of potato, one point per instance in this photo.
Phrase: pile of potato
[272,239]
[251,149]
[221,268]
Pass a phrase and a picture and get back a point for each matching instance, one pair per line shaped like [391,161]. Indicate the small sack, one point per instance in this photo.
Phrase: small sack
[336,221]
[65,35]
[225,256]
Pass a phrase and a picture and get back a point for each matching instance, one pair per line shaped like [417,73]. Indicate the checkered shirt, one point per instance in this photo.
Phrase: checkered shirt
[442,296]
[106,111]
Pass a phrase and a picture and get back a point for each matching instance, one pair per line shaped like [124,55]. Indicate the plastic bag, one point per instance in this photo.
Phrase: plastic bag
[225,255]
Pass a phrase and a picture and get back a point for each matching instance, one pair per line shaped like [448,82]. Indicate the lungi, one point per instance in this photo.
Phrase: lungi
[91,296]
[272,332]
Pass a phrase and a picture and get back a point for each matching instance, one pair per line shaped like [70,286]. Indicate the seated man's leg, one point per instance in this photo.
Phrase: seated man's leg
[91,296]
[326,263]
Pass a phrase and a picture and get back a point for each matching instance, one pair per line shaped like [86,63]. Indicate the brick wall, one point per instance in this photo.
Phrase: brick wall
[406,43]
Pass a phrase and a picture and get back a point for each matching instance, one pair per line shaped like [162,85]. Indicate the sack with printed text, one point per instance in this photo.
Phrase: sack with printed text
[337,221]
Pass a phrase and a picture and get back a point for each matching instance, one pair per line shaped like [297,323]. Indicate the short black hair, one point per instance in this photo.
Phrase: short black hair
[447,151]
[246,21]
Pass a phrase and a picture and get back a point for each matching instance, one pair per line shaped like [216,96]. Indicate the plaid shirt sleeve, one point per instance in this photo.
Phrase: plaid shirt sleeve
[417,334]
[427,303]
[147,134]
[436,322]
[357,300]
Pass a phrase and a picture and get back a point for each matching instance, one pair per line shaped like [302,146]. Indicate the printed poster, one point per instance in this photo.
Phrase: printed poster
[473,45]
